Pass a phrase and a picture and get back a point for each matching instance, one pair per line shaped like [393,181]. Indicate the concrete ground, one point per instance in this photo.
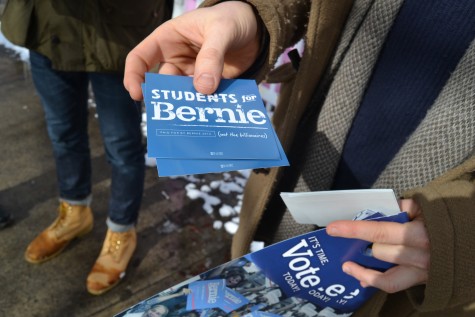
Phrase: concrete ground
[176,236]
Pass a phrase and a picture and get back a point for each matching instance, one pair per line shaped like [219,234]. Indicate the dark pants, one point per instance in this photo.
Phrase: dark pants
[64,96]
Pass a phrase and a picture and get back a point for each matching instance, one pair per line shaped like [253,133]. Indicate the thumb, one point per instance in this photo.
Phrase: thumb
[209,66]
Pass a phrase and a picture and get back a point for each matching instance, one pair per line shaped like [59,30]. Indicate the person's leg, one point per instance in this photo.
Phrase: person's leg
[119,120]
[64,99]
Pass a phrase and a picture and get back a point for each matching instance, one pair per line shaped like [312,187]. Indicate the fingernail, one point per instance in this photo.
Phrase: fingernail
[333,231]
[206,81]
[346,269]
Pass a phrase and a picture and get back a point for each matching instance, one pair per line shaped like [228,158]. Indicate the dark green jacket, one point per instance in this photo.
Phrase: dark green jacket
[83,35]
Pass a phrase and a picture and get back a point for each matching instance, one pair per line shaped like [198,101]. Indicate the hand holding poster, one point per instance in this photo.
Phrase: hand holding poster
[298,277]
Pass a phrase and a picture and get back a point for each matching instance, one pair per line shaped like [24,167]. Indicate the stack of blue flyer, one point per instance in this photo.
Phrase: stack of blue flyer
[298,277]
[192,133]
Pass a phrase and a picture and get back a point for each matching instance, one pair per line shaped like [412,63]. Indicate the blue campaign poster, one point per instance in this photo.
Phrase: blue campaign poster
[309,267]
[301,276]
[232,123]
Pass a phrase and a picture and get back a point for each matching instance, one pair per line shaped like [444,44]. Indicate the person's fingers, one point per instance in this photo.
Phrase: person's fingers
[148,54]
[134,75]
[411,207]
[410,234]
[170,69]
[178,51]
[393,280]
[234,39]
[401,255]
[209,67]
[196,43]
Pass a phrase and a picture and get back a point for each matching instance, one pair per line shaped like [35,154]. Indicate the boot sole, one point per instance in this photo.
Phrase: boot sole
[79,235]
[102,291]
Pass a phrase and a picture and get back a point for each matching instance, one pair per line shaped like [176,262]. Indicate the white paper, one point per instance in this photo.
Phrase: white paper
[321,208]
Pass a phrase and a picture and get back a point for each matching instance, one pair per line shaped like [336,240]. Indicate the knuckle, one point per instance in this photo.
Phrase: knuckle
[424,261]
[425,243]
[379,234]
[212,54]
[390,286]
[419,234]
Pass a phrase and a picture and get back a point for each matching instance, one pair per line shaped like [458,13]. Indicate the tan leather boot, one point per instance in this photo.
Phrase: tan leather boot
[73,221]
[111,264]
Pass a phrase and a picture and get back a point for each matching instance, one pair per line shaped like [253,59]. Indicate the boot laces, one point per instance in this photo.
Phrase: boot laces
[116,244]
[60,225]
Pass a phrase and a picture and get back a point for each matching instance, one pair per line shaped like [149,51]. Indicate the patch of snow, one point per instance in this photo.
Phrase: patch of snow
[20,52]
[218,224]
[205,189]
[226,211]
[256,246]
[231,227]
[150,161]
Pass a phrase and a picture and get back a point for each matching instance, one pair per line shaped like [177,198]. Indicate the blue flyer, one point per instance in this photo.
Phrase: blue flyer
[192,133]
[174,167]
[309,267]
[170,167]
[230,124]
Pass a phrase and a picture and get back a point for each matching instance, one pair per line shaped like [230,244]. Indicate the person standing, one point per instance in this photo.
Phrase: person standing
[382,97]
[74,45]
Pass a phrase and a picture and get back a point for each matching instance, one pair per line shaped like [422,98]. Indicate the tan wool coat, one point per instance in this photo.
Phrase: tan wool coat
[437,160]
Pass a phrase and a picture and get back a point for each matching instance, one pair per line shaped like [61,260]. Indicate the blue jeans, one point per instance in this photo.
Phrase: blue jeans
[64,97]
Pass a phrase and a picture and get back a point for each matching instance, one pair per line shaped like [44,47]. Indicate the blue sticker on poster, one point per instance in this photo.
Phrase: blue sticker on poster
[206,294]
[233,300]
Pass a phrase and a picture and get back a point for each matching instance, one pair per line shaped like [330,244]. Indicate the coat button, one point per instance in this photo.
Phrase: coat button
[55,39]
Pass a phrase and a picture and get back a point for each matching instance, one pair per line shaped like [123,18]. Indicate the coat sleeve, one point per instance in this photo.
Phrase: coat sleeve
[448,206]
[16,20]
